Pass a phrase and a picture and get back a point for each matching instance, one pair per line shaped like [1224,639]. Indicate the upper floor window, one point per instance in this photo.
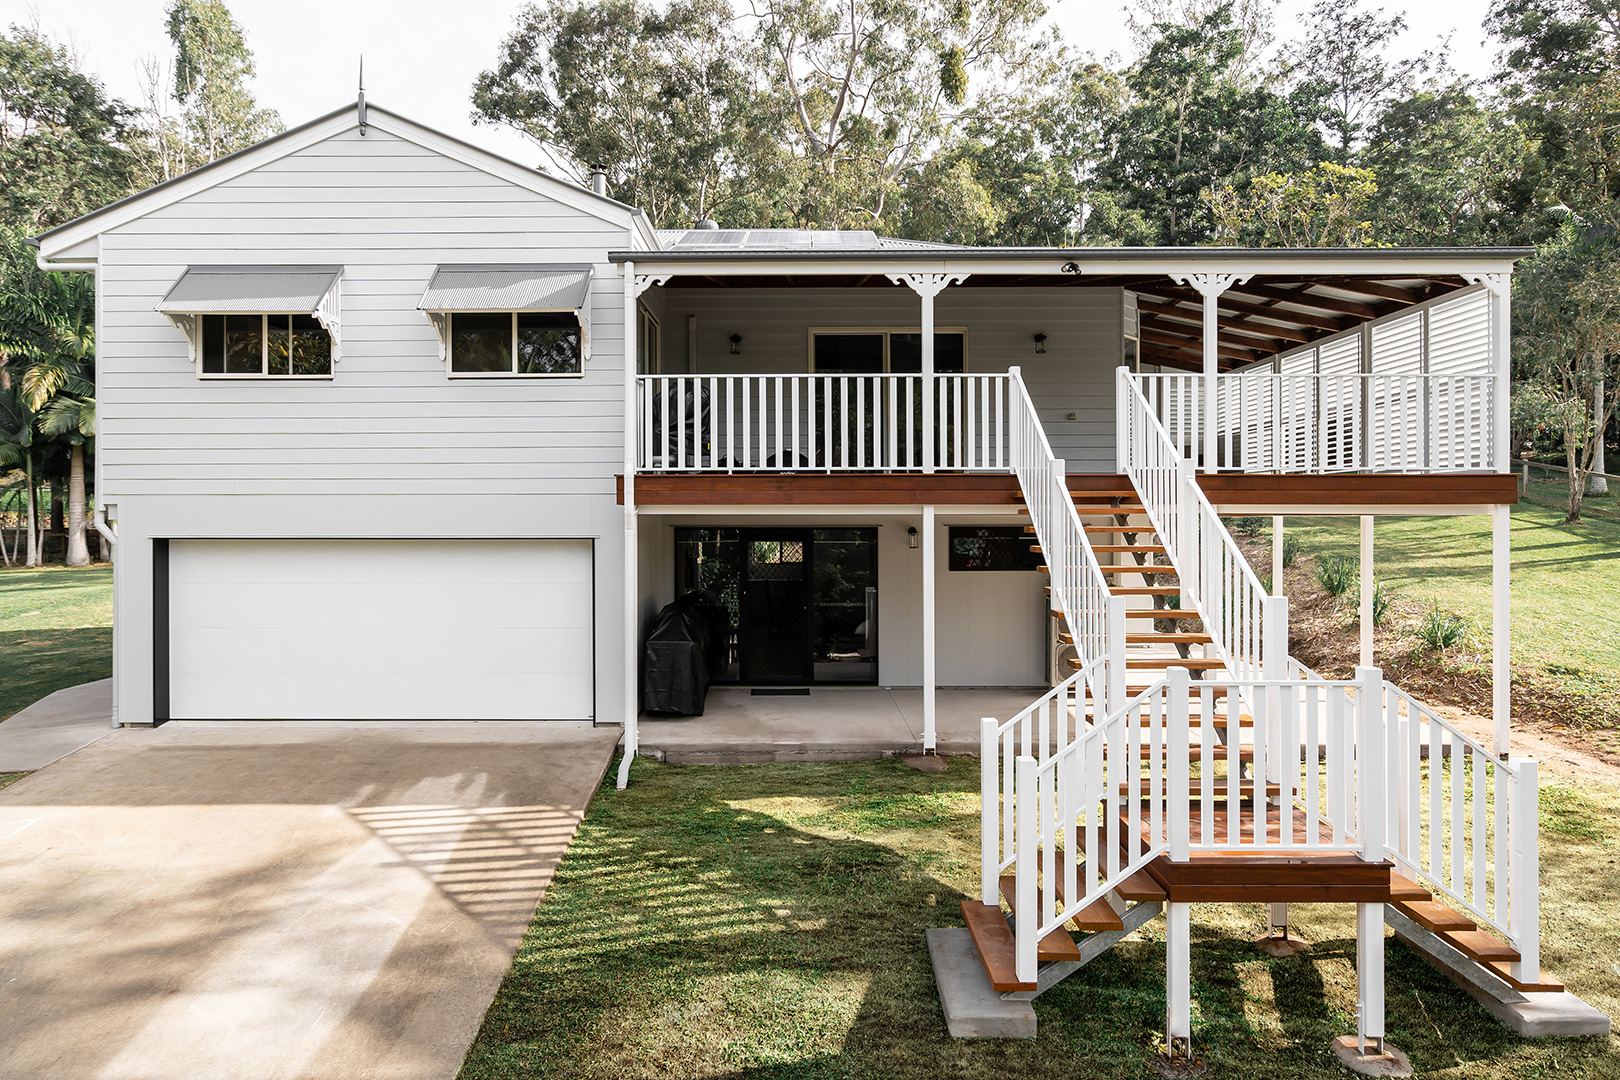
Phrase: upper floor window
[259,345]
[504,319]
[257,322]
[514,343]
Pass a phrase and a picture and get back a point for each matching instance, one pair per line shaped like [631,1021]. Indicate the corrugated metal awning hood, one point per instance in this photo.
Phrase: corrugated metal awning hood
[202,290]
[508,287]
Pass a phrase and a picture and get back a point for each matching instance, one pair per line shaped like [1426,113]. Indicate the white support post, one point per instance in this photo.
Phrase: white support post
[929,688]
[1274,639]
[1276,556]
[1178,761]
[1185,554]
[927,286]
[989,813]
[1525,900]
[1371,774]
[1210,286]
[1368,587]
[632,628]
[1501,628]
[1122,418]
[1370,978]
[1178,979]
[634,286]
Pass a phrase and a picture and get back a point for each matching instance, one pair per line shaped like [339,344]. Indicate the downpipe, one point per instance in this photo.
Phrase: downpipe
[109,532]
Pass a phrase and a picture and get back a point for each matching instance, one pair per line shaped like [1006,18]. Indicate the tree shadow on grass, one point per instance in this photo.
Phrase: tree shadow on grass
[712,922]
[40,662]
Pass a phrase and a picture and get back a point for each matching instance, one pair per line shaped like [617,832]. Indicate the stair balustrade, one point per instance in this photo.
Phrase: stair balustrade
[1080,591]
[1463,821]
[1249,626]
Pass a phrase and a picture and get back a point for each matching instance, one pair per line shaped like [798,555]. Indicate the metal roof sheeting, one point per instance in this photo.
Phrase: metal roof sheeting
[508,287]
[202,290]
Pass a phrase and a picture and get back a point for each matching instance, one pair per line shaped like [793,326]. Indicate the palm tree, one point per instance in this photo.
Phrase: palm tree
[58,342]
[17,448]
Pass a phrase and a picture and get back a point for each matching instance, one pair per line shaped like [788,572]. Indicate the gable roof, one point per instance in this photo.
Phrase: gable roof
[62,238]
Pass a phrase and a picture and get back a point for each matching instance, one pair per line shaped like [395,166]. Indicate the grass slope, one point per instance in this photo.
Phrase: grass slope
[767,922]
[55,631]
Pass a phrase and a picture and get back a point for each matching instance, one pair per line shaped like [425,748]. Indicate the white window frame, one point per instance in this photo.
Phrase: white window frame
[449,346]
[264,348]
[886,331]
[649,332]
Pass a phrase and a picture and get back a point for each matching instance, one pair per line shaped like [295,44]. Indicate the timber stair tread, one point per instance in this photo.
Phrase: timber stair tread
[1130,549]
[1479,945]
[1150,663]
[1135,530]
[1161,613]
[1138,568]
[1433,916]
[994,940]
[1462,933]
[1091,919]
[1404,888]
[1145,590]
[1138,888]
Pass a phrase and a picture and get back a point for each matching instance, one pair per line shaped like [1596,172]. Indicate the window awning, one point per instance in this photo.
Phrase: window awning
[254,290]
[208,290]
[508,287]
[469,287]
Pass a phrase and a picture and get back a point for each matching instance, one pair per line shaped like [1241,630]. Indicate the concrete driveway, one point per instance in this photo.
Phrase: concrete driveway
[277,900]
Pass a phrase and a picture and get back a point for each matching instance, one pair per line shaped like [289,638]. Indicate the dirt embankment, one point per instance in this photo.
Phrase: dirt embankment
[1557,722]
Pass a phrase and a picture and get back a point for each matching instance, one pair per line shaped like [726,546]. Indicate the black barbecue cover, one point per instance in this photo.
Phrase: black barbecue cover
[687,648]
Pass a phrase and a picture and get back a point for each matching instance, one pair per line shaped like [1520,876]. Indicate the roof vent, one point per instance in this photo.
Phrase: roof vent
[706,223]
[599,181]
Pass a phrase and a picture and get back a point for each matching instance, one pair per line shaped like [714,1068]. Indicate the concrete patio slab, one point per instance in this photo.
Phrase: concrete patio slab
[277,900]
[831,723]
[56,725]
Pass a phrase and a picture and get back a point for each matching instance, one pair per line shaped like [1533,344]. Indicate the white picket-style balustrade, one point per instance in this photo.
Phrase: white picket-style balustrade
[820,423]
[1267,422]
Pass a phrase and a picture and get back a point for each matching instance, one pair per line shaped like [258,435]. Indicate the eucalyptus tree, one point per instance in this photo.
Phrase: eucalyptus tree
[65,145]
[1344,52]
[1194,125]
[218,114]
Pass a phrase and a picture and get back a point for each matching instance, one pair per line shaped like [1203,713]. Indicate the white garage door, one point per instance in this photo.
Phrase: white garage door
[380,630]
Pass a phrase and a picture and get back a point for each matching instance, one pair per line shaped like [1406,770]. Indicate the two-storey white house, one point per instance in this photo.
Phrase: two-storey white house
[393,428]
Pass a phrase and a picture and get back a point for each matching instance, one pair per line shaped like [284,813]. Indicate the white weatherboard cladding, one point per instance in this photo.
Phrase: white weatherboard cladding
[389,446]
[380,630]
[1083,328]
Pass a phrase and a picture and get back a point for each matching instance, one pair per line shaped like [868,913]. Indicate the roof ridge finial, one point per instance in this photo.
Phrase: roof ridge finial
[362,99]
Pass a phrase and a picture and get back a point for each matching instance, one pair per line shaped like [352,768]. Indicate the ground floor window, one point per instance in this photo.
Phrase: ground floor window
[992,547]
[803,602]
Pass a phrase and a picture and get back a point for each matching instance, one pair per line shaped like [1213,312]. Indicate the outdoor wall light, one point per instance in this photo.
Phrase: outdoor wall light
[736,344]
[1040,344]
[911,536]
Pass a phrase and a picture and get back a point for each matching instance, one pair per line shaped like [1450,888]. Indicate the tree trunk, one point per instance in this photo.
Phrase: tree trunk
[78,551]
[57,524]
[1597,484]
[33,523]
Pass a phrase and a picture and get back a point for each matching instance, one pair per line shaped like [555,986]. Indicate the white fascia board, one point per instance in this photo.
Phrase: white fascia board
[54,245]
[988,262]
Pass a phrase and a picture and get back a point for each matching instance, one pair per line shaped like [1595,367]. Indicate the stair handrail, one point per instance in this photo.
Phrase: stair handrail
[1045,726]
[1248,627]
[1095,776]
[1079,589]
[1468,830]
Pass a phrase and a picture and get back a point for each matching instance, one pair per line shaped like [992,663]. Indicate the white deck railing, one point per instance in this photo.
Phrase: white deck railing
[820,423]
[1308,423]
[1249,627]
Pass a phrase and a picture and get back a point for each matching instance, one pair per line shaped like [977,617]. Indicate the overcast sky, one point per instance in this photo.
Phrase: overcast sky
[422,57]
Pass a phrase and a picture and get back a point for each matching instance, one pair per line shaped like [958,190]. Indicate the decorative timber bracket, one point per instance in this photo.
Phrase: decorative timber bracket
[1209,285]
[642,282]
[927,285]
[1495,283]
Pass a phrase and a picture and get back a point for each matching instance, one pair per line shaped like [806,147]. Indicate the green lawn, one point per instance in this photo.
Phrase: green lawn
[55,631]
[1565,578]
[767,922]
